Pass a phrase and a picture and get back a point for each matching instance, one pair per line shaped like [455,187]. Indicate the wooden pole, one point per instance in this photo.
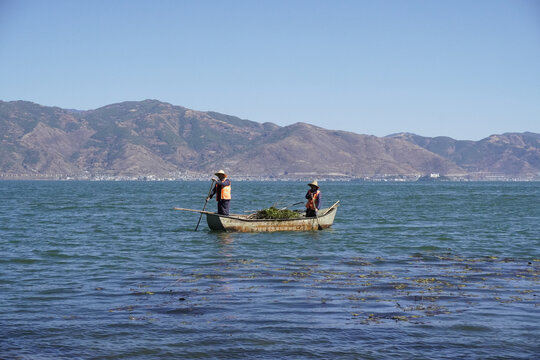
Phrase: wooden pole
[205,202]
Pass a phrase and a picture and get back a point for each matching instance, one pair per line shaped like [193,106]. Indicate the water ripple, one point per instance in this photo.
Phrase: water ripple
[108,270]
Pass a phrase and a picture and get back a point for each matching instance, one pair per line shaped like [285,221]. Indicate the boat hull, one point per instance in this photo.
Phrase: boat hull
[244,224]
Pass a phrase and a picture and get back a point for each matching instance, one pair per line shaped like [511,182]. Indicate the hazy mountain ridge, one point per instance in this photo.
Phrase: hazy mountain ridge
[509,153]
[140,138]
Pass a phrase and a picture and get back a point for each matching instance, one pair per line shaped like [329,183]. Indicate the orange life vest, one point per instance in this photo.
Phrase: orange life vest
[225,193]
[311,202]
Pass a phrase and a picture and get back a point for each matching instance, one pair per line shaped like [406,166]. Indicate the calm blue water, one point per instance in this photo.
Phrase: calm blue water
[107,270]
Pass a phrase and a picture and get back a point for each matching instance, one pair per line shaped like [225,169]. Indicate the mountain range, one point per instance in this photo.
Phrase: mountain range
[156,139]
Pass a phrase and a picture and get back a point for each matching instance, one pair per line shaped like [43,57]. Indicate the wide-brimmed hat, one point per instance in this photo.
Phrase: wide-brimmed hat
[314,183]
[220,172]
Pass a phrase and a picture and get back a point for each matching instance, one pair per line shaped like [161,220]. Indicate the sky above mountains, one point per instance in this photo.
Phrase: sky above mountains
[465,69]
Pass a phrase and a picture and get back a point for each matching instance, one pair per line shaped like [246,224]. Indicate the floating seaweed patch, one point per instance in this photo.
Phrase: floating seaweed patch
[434,285]
[139,293]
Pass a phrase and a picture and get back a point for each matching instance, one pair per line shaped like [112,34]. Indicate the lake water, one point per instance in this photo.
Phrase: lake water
[107,270]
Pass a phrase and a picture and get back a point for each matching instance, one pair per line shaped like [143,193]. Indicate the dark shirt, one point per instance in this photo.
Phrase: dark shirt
[217,189]
[317,200]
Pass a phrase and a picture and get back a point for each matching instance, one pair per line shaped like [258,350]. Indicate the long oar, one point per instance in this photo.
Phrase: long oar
[205,202]
[288,206]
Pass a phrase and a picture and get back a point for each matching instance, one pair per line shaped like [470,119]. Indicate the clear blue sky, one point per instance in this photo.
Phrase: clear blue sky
[465,69]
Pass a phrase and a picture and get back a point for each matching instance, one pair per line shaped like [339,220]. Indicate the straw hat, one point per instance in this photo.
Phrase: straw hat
[314,183]
[220,172]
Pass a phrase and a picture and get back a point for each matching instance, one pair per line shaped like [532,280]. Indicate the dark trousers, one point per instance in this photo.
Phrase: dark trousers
[310,213]
[223,207]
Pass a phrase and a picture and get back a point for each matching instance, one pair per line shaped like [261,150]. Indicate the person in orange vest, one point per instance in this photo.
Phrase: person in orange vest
[314,199]
[222,190]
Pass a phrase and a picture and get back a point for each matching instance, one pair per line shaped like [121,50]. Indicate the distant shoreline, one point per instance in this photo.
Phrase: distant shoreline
[374,179]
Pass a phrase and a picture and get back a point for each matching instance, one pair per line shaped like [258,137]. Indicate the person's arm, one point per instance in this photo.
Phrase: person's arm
[225,182]
[308,195]
[318,201]
[212,192]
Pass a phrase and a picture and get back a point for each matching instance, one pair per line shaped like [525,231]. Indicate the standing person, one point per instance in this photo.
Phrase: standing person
[314,199]
[222,190]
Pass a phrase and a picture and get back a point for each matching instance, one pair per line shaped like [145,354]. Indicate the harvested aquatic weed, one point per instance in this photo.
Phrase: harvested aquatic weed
[274,213]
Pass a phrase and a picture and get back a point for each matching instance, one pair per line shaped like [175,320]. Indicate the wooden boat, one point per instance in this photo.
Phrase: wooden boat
[243,223]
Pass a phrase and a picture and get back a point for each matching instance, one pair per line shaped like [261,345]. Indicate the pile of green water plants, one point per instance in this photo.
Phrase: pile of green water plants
[274,213]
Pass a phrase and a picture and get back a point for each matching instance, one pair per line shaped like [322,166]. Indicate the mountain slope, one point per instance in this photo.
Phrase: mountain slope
[508,154]
[140,138]
[306,149]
